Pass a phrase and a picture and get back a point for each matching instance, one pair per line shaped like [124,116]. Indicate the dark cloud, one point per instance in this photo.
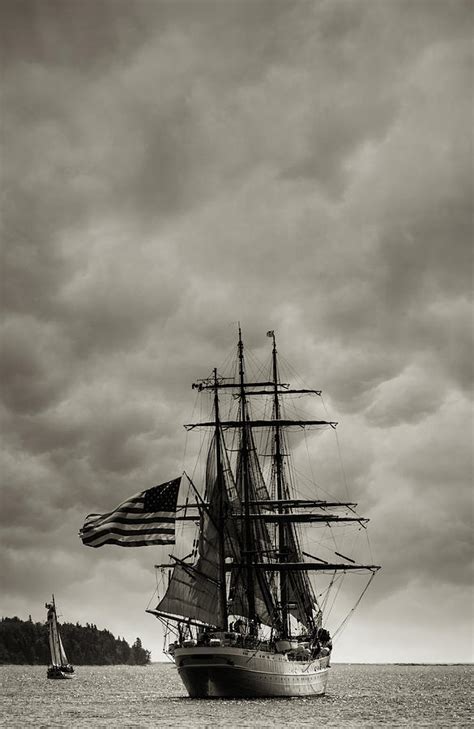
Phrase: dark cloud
[31,379]
[85,35]
[169,168]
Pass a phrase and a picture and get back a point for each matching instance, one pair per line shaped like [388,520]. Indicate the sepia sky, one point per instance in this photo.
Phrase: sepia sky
[171,168]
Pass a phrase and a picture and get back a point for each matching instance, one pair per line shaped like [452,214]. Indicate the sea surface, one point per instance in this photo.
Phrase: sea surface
[142,697]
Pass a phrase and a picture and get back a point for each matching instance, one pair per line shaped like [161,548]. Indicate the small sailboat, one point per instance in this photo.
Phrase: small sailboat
[60,667]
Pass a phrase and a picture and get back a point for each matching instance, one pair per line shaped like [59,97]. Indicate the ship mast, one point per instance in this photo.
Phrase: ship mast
[220,484]
[282,509]
[247,532]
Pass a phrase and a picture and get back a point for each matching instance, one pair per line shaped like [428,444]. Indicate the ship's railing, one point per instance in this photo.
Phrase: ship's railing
[214,639]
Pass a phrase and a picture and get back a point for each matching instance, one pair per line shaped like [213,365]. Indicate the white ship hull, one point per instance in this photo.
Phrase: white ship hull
[225,672]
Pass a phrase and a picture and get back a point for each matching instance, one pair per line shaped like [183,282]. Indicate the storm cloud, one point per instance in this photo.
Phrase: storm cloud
[171,168]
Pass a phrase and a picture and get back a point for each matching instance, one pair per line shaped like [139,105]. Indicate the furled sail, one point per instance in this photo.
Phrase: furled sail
[302,603]
[264,587]
[301,596]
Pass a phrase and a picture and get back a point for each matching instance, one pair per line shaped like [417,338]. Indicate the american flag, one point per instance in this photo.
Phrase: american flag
[146,518]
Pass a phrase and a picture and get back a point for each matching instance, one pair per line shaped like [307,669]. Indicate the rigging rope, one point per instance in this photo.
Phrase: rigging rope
[341,580]
[349,614]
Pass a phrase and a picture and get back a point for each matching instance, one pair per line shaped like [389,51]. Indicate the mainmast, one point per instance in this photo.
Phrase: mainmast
[281,495]
[220,484]
[247,532]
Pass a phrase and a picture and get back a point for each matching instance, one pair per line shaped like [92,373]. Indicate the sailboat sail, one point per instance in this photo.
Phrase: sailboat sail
[60,666]
[62,652]
[55,645]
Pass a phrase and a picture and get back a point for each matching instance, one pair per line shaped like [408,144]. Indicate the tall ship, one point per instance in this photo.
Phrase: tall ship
[244,610]
[59,667]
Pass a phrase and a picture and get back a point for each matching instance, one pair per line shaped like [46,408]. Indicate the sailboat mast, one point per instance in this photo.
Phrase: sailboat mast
[248,555]
[221,515]
[278,461]
[55,646]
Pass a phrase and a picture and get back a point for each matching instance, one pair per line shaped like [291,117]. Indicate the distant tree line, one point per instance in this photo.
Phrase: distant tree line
[23,641]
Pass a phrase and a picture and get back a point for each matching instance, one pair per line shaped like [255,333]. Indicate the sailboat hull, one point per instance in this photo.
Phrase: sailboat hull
[59,675]
[238,673]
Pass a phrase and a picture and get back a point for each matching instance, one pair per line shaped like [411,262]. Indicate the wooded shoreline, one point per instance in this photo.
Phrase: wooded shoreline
[25,642]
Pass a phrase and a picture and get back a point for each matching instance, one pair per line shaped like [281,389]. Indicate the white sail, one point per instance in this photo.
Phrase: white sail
[55,660]
[54,640]
[58,654]
[62,652]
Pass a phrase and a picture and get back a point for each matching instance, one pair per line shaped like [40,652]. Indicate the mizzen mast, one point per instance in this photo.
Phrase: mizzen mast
[281,495]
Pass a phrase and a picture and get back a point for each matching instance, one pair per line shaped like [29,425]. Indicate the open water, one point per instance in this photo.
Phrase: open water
[142,697]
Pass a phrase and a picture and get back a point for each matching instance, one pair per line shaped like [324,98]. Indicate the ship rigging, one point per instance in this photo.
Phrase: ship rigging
[246,585]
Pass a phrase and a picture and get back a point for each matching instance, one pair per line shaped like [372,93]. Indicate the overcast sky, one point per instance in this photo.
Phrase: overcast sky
[170,168]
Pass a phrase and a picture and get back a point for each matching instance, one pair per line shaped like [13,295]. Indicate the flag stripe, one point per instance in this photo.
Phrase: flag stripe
[124,533]
[135,543]
[136,529]
[127,533]
[151,538]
